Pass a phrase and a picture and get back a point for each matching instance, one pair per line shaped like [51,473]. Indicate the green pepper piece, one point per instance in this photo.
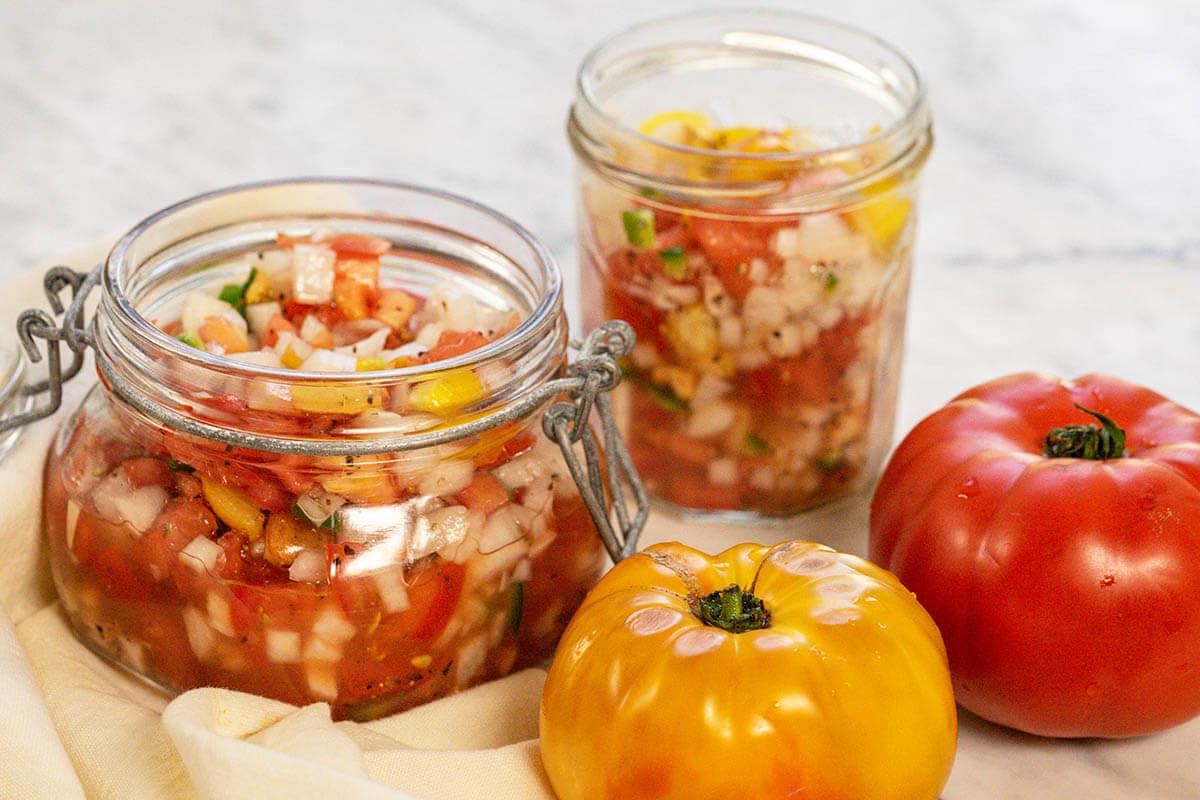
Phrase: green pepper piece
[754,445]
[235,294]
[674,262]
[191,340]
[639,227]
[664,397]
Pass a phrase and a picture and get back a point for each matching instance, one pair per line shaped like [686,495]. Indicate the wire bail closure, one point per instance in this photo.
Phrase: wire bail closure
[602,477]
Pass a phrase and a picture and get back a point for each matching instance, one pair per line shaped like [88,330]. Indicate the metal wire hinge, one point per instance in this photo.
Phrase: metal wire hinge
[35,324]
[606,470]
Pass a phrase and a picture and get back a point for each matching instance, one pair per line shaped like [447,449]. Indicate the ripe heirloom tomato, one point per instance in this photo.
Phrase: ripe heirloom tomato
[785,671]
[1060,558]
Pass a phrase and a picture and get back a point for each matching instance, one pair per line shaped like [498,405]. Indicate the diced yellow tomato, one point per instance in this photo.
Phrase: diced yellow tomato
[364,479]
[681,127]
[234,508]
[692,332]
[333,398]
[883,215]
[448,393]
[260,289]
[395,308]
[290,359]
[370,363]
[356,286]
[285,536]
[222,332]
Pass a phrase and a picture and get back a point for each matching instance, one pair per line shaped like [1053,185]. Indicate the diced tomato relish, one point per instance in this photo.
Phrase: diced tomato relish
[372,583]
[768,343]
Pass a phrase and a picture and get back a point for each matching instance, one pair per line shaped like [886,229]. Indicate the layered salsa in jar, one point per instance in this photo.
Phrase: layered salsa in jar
[747,202]
[274,489]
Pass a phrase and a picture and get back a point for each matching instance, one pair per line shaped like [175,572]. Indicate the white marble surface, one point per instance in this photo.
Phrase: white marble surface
[1060,228]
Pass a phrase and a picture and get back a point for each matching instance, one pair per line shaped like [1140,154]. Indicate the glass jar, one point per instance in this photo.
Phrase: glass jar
[371,539]
[747,202]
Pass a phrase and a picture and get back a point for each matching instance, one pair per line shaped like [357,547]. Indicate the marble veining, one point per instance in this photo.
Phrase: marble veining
[1059,214]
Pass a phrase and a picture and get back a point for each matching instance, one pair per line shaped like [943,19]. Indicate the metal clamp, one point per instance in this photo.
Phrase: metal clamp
[34,324]
[602,476]
[601,487]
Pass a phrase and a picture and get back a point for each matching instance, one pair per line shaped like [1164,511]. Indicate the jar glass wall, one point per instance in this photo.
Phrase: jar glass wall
[747,202]
[251,512]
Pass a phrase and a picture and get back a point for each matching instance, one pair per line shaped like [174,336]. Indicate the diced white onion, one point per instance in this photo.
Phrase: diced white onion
[410,350]
[351,331]
[312,329]
[72,520]
[461,549]
[319,649]
[710,419]
[448,477]
[382,423]
[722,472]
[277,265]
[201,554]
[370,346]
[389,581]
[710,387]
[283,647]
[299,347]
[504,526]
[259,314]
[470,660]
[332,626]
[199,306]
[520,471]
[312,273]
[199,635]
[322,679]
[309,566]
[429,334]
[329,361]
[319,505]
[219,616]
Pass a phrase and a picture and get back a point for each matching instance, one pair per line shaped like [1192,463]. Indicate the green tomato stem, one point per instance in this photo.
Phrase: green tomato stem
[1097,443]
[733,609]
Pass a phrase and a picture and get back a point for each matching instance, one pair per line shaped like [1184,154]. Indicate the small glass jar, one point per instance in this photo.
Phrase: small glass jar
[747,202]
[371,539]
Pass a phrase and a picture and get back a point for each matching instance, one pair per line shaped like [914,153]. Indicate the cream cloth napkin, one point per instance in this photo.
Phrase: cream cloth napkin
[76,726]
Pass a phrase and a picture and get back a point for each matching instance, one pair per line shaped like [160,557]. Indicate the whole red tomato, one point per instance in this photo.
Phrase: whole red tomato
[1059,557]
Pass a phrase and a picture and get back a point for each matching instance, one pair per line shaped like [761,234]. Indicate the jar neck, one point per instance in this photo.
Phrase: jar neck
[617,78]
[434,237]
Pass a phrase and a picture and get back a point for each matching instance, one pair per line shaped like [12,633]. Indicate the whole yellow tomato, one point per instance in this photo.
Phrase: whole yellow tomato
[762,672]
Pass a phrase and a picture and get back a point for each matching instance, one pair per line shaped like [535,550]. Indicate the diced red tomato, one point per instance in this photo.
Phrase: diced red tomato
[484,493]
[356,286]
[117,577]
[357,245]
[731,246]
[277,325]
[433,591]
[141,472]
[503,447]
[181,521]
[454,343]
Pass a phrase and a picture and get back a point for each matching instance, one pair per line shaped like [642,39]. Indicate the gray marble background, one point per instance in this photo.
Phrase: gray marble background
[1060,219]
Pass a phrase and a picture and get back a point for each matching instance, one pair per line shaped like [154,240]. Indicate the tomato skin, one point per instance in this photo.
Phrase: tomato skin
[1064,588]
[844,695]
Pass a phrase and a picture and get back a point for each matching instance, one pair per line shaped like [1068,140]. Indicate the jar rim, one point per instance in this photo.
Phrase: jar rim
[905,130]
[539,322]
